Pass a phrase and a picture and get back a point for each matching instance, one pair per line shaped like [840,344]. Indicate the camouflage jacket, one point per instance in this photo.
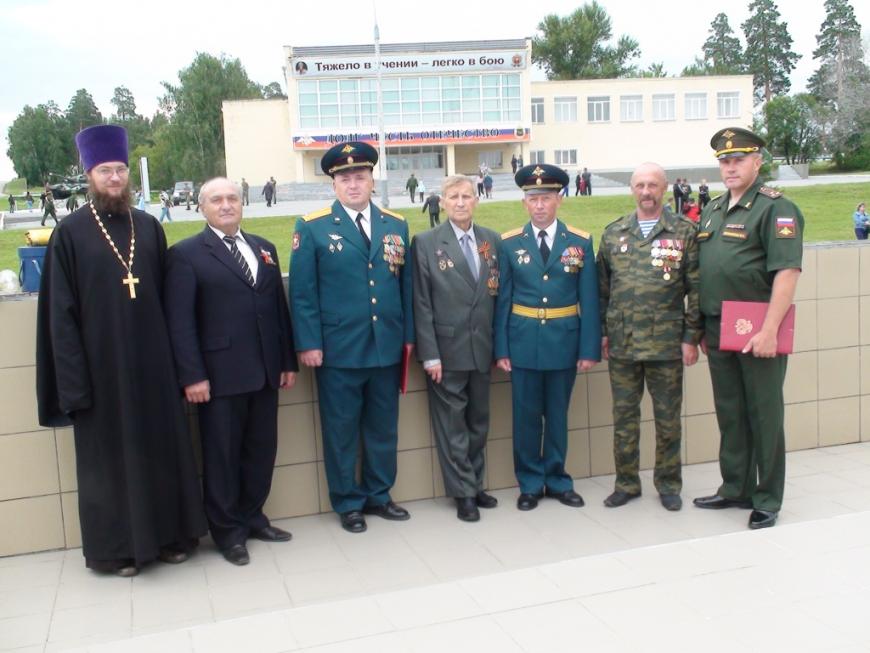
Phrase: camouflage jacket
[648,288]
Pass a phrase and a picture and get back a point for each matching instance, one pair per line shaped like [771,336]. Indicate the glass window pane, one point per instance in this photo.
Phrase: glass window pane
[328,98]
[308,87]
[449,82]
[490,80]
[432,106]
[306,99]
[470,115]
[470,93]
[490,92]
[451,105]
[349,84]
[328,86]
[451,93]
[308,112]
[491,105]
[410,83]
[329,110]
[471,81]
[431,117]
[389,84]
[329,122]
[391,107]
[451,116]
[410,106]
[513,91]
[431,94]
[309,122]
[429,82]
[390,96]
[492,115]
[511,79]
[410,95]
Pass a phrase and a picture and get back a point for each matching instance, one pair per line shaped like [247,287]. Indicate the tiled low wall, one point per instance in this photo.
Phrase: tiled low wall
[827,378]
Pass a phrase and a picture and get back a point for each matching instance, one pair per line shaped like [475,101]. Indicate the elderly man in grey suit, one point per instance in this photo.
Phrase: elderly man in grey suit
[455,285]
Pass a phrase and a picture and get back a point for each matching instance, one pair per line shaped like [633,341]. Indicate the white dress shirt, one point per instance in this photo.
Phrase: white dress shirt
[244,248]
[366,218]
[550,238]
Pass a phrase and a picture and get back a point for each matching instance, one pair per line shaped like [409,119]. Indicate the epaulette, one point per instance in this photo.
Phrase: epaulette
[615,222]
[513,232]
[393,214]
[320,213]
[772,193]
[579,232]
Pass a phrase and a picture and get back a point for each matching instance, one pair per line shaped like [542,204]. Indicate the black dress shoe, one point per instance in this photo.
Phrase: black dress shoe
[127,571]
[568,498]
[172,556]
[271,534]
[762,518]
[620,498]
[353,521]
[528,501]
[466,509]
[671,502]
[485,500]
[237,554]
[388,510]
[715,502]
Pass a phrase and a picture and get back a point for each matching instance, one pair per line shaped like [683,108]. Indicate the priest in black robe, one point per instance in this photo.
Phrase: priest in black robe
[104,364]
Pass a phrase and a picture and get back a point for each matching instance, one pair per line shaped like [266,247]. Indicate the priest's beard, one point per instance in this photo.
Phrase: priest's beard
[116,204]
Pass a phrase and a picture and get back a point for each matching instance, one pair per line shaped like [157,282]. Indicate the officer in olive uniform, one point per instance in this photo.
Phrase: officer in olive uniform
[547,330]
[751,242]
[648,283]
[350,294]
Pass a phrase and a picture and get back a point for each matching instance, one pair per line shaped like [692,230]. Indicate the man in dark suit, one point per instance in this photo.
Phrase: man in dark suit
[350,291]
[455,285]
[233,343]
[678,196]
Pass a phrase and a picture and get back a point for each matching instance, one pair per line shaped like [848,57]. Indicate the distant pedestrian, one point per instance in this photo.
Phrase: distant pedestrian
[480,184]
[274,190]
[268,192]
[11,203]
[862,222]
[245,190]
[433,203]
[411,186]
[28,198]
[703,193]
[487,185]
[165,203]
[578,184]
[72,202]
[48,210]
[587,179]
[421,188]
[514,162]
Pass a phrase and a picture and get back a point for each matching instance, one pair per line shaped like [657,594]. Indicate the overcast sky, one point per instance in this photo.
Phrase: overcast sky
[51,48]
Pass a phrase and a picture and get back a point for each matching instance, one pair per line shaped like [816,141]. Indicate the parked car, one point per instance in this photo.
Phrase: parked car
[181,192]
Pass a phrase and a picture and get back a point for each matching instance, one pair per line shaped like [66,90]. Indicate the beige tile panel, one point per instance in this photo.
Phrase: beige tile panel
[18,392]
[806,326]
[839,374]
[864,316]
[577,463]
[698,397]
[19,318]
[416,377]
[838,323]
[414,479]
[294,491]
[323,488]
[296,434]
[318,431]
[865,419]
[414,429]
[28,465]
[578,408]
[601,451]
[802,377]
[865,369]
[500,411]
[702,438]
[600,400]
[66,459]
[801,426]
[72,530]
[302,391]
[32,524]
[839,421]
[837,272]
[500,463]
[808,281]
[864,262]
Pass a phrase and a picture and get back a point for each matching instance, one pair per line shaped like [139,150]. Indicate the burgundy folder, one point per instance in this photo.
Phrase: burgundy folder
[407,350]
[742,320]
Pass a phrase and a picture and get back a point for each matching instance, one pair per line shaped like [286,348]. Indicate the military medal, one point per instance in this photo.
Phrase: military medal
[336,245]
[442,264]
[130,281]
[522,256]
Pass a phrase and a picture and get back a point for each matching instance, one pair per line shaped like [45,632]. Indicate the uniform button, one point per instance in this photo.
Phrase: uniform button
[371,282]
[543,321]
[374,318]
[544,300]
[374,300]
[371,266]
[546,277]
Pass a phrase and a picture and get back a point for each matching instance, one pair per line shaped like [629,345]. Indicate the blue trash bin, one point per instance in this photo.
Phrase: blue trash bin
[30,271]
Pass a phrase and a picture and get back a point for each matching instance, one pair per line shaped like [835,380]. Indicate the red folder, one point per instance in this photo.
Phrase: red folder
[742,320]
[406,361]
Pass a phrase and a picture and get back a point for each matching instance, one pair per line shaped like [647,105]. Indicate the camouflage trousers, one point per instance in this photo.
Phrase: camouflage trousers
[664,380]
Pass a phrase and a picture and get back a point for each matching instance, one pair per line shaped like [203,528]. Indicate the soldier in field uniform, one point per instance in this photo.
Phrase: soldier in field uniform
[651,325]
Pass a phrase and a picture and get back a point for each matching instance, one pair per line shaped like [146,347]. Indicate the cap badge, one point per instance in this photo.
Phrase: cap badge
[347,148]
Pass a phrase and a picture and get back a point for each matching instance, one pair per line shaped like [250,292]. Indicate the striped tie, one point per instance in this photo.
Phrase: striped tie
[234,250]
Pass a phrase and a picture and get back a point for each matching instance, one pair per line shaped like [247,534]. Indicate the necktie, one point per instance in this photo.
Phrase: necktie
[362,232]
[470,256]
[234,250]
[545,249]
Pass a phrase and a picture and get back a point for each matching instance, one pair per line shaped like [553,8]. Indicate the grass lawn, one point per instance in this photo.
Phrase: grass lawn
[828,211]
[15,187]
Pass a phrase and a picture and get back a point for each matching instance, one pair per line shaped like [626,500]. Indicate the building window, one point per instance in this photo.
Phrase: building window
[696,106]
[566,157]
[631,108]
[728,104]
[663,107]
[537,110]
[490,158]
[598,108]
[536,157]
[565,109]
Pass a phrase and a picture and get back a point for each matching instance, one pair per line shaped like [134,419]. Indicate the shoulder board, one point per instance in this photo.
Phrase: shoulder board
[615,222]
[716,197]
[579,232]
[512,233]
[393,214]
[314,215]
[772,193]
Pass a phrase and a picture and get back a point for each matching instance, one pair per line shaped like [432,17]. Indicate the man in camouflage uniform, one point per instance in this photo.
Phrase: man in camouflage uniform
[651,325]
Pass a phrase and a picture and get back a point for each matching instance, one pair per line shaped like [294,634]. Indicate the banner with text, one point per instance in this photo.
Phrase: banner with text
[402,64]
[422,137]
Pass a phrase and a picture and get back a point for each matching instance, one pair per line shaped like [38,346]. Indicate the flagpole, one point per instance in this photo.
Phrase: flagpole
[382,148]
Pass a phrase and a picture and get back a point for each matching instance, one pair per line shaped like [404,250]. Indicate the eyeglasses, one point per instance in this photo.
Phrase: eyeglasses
[109,171]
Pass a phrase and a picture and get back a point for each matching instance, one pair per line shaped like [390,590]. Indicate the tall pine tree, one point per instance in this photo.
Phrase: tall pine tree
[840,54]
[722,50]
[769,56]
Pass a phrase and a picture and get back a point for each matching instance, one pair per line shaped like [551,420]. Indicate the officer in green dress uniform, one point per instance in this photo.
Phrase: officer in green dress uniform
[751,243]
[547,330]
[350,295]
[648,281]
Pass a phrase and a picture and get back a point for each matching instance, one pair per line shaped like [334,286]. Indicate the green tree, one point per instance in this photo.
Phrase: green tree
[82,112]
[138,127]
[194,137]
[769,56]
[722,50]
[38,143]
[792,127]
[656,69]
[576,46]
[273,90]
[125,104]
